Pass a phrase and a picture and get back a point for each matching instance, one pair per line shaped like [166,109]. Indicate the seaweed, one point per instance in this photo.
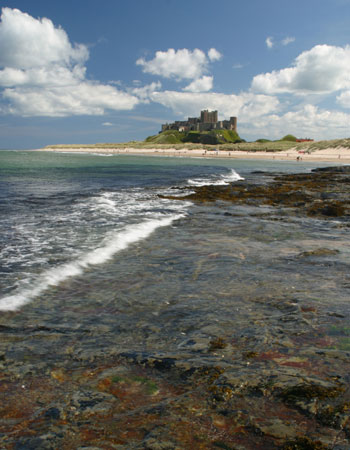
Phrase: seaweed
[303,443]
[309,392]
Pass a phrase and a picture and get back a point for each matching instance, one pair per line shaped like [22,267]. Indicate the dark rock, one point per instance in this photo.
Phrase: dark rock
[309,392]
[164,364]
[337,169]
[303,443]
[53,413]
[322,193]
[29,444]
[318,252]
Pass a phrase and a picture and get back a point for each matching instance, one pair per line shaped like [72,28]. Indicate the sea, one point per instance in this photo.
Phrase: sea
[87,243]
[96,265]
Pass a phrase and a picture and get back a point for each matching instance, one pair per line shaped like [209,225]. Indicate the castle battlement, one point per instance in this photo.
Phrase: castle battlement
[207,121]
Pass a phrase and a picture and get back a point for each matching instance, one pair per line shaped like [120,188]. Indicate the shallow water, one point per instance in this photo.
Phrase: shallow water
[95,265]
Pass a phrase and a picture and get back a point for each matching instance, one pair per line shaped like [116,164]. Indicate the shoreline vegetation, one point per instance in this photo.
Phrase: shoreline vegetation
[331,150]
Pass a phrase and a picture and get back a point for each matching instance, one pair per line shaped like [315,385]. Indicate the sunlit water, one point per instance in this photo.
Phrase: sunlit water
[94,260]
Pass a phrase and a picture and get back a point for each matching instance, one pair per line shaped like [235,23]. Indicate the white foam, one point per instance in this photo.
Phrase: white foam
[115,242]
[221,181]
[233,176]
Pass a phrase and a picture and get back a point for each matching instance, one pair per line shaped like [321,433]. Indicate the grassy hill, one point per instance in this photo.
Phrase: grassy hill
[213,137]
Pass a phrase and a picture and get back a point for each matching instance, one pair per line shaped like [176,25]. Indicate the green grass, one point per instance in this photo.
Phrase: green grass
[263,141]
[269,146]
[226,136]
[289,137]
[321,145]
[166,137]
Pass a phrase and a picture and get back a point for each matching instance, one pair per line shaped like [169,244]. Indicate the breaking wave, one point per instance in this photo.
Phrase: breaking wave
[216,181]
[116,242]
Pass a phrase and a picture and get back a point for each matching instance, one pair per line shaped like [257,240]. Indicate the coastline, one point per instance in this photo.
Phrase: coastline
[339,154]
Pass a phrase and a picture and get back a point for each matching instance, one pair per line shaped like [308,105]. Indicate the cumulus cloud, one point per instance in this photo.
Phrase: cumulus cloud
[246,105]
[269,42]
[42,73]
[179,64]
[26,42]
[203,84]
[323,69]
[307,121]
[214,55]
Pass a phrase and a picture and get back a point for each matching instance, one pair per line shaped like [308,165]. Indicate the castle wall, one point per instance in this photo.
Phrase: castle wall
[207,121]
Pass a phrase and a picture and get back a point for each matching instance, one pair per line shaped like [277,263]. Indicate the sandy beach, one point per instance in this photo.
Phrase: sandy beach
[339,154]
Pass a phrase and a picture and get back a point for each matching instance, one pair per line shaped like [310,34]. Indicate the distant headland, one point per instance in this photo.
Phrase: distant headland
[206,129]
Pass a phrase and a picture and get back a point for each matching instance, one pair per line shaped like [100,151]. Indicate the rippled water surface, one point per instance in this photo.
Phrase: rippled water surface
[94,264]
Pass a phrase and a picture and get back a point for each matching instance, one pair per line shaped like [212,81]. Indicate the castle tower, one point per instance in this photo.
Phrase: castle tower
[233,123]
[209,116]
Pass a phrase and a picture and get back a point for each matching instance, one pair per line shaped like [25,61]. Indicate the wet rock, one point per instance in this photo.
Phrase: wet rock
[278,429]
[311,391]
[49,441]
[91,402]
[318,252]
[29,444]
[334,209]
[303,193]
[217,344]
[336,169]
[336,416]
[53,414]
[304,443]
[155,440]
[89,448]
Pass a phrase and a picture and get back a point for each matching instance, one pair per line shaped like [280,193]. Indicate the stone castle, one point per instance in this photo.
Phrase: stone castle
[206,122]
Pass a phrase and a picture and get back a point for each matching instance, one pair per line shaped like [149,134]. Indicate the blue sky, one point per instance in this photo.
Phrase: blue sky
[114,71]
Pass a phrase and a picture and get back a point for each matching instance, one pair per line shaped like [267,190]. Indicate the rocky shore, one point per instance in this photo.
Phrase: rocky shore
[322,193]
[278,380]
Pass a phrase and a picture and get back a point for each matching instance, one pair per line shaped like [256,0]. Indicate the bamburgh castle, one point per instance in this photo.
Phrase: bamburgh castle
[206,122]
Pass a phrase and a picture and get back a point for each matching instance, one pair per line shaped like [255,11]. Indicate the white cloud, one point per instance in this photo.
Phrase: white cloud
[214,55]
[288,40]
[26,42]
[269,42]
[179,64]
[143,93]
[203,84]
[259,115]
[107,124]
[344,99]
[323,69]
[43,74]
[84,98]
[246,105]
[306,122]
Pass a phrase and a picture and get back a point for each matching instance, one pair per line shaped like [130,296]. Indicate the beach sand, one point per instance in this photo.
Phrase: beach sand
[339,154]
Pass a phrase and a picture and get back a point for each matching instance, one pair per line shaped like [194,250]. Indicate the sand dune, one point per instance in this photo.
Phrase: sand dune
[340,154]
